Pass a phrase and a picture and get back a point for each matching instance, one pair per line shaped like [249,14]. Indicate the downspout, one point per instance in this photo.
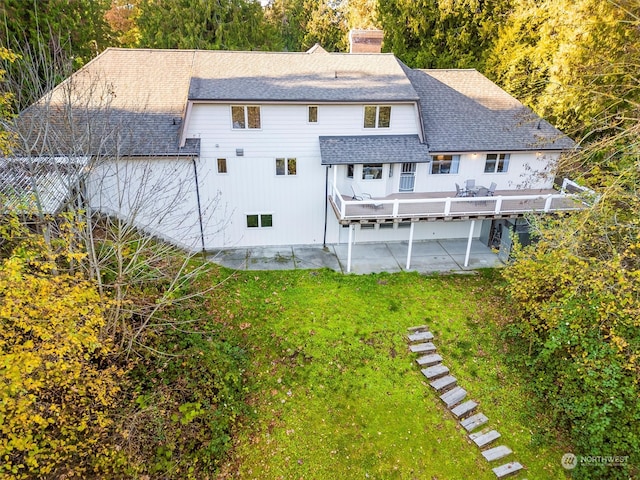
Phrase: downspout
[326,204]
[195,174]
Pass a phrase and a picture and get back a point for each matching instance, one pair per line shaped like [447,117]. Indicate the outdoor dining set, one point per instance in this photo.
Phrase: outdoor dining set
[472,190]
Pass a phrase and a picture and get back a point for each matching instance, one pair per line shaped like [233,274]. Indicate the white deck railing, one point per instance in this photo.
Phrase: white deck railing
[453,207]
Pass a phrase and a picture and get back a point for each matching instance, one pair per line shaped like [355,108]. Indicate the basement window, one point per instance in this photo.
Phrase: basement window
[259,220]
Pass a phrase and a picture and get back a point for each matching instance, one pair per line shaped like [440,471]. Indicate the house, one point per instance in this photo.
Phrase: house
[219,149]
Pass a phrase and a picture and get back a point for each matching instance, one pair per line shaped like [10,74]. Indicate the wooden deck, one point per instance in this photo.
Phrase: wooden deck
[446,206]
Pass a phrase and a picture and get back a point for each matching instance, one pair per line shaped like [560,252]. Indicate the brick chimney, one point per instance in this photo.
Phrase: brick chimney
[365,41]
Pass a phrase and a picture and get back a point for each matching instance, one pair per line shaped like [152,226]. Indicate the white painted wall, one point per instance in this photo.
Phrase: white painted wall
[160,193]
[251,185]
[157,195]
[422,231]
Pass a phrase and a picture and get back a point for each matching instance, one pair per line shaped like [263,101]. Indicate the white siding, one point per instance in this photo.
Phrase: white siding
[422,231]
[251,185]
[526,170]
[156,195]
[164,199]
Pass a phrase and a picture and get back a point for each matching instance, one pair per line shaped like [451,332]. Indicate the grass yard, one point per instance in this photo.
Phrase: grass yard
[335,393]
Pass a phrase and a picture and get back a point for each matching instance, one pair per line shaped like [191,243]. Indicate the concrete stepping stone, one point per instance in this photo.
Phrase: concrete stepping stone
[464,409]
[423,348]
[444,383]
[418,328]
[483,439]
[420,337]
[429,360]
[474,421]
[507,469]
[435,371]
[496,453]
[453,396]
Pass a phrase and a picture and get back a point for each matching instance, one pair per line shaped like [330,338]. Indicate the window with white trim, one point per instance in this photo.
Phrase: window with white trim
[350,170]
[245,116]
[377,116]
[222,165]
[444,164]
[497,163]
[286,166]
[259,220]
[371,171]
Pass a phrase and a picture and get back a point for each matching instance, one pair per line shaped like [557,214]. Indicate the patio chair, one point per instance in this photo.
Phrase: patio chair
[460,192]
[359,194]
[482,192]
[469,184]
[492,189]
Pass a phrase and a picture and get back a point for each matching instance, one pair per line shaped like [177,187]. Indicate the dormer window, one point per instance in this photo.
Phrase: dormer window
[377,116]
[245,116]
[312,116]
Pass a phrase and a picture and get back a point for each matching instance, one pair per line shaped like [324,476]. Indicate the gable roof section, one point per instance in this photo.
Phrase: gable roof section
[129,101]
[133,100]
[313,76]
[463,111]
[337,150]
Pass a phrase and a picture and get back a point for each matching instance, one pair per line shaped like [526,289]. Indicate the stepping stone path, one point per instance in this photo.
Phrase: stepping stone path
[444,383]
[420,341]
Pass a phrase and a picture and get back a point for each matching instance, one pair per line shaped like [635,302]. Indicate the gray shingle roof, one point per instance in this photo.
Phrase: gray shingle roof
[133,101]
[463,111]
[373,149]
[314,76]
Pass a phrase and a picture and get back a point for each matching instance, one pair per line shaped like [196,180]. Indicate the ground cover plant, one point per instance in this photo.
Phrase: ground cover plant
[334,392]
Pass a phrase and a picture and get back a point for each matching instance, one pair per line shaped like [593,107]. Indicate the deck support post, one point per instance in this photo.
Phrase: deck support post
[466,257]
[349,248]
[410,245]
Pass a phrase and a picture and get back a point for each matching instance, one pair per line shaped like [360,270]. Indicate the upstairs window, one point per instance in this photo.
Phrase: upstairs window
[286,166]
[497,163]
[245,116]
[377,116]
[444,164]
[312,114]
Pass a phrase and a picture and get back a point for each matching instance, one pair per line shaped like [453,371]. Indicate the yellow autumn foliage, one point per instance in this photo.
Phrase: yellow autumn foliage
[58,391]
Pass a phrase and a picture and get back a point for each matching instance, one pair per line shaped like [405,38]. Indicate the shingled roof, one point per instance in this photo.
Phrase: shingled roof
[313,76]
[336,150]
[463,111]
[133,100]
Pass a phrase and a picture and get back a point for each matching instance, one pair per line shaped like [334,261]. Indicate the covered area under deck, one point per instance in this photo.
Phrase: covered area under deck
[416,207]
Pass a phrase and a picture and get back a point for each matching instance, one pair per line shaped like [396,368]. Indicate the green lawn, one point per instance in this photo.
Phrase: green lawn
[335,393]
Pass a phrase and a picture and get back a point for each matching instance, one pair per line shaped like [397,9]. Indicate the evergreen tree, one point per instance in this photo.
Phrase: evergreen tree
[572,61]
[441,33]
[203,24]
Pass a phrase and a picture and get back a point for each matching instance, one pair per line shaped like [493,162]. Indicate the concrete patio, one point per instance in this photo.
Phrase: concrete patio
[426,257]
